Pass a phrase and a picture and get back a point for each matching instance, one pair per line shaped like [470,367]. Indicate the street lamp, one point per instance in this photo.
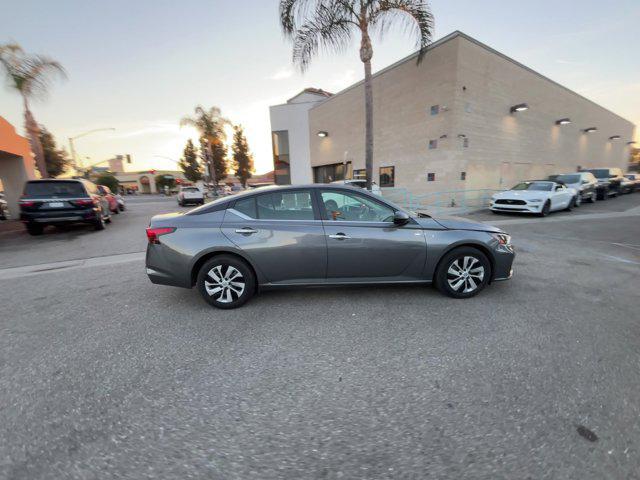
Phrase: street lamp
[167,158]
[72,149]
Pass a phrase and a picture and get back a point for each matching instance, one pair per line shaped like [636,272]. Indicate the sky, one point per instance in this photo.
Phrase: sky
[139,66]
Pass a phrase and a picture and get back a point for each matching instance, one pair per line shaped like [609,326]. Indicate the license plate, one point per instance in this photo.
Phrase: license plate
[56,204]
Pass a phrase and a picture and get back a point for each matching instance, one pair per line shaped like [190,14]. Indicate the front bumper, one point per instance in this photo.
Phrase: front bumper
[527,208]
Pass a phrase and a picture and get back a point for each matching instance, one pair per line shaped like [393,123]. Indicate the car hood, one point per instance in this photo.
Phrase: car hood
[522,194]
[456,223]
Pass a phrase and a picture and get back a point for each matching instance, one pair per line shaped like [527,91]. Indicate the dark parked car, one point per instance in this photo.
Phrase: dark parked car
[609,181]
[319,235]
[58,202]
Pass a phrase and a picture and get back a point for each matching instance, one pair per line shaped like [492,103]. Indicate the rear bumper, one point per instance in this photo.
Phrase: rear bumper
[86,215]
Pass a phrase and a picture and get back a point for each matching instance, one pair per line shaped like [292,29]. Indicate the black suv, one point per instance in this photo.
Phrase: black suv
[56,202]
[609,181]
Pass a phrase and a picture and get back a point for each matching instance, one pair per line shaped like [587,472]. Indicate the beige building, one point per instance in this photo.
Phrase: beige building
[467,117]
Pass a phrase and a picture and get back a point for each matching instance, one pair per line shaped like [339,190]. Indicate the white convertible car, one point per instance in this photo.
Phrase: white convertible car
[537,196]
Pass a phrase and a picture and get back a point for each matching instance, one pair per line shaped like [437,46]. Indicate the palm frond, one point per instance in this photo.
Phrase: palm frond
[413,16]
[30,75]
[329,28]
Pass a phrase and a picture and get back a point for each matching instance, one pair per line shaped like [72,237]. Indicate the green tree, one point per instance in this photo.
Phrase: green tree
[108,180]
[162,181]
[242,159]
[30,76]
[189,163]
[56,160]
[210,124]
[329,25]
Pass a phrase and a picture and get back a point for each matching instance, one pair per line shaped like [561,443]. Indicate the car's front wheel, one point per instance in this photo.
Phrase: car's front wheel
[546,208]
[34,229]
[226,282]
[463,272]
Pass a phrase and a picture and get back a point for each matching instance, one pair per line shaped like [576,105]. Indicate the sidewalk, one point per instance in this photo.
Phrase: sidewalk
[10,226]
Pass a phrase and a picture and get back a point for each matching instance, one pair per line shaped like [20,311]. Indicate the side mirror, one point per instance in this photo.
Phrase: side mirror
[400,218]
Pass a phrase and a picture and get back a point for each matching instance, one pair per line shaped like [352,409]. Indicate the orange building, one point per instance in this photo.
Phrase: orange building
[16,164]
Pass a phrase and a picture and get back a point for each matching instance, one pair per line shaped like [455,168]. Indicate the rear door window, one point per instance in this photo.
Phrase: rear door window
[60,189]
[247,207]
[289,205]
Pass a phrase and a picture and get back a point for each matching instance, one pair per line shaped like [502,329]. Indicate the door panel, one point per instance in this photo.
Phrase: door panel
[364,243]
[286,251]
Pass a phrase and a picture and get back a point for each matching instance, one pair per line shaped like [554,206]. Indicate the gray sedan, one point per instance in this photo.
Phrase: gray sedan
[290,236]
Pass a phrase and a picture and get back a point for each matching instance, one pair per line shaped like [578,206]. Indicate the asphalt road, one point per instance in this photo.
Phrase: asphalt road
[104,375]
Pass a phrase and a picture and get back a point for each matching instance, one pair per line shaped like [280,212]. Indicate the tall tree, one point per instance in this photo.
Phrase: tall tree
[55,159]
[242,159]
[210,124]
[189,163]
[31,76]
[330,24]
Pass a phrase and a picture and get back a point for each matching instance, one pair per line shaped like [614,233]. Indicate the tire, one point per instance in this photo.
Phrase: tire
[450,278]
[34,229]
[108,219]
[593,197]
[116,211]
[121,208]
[577,201]
[546,208]
[99,224]
[571,205]
[218,294]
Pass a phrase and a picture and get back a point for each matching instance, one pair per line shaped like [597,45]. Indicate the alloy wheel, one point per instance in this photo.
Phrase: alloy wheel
[465,274]
[225,283]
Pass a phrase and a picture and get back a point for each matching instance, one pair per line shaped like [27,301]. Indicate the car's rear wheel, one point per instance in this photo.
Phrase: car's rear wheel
[593,197]
[226,282]
[98,223]
[572,204]
[34,229]
[463,272]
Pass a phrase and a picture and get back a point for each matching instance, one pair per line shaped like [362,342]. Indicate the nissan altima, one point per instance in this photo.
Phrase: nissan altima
[319,235]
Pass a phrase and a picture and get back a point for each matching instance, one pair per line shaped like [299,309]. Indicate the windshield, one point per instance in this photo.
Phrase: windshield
[190,189]
[568,178]
[600,172]
[539,186]
[54,188]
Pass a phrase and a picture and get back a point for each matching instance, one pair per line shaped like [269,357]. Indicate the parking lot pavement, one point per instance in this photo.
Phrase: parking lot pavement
[104,375]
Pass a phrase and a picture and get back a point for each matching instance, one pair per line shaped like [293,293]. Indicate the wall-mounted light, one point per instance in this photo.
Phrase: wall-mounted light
[563,121]
[462,135]
[631,143]
[323,134]
[590,129]
[614,137]
[521,107]
[443,136]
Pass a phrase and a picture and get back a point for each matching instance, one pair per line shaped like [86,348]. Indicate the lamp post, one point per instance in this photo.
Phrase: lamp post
[72,149]
[177,162]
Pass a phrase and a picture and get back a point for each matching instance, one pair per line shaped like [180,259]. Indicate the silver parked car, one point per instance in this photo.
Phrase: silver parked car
[319,235]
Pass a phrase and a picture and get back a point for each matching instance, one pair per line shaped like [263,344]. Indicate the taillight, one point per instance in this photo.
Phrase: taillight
[27,203]
[153,234]
[83,202]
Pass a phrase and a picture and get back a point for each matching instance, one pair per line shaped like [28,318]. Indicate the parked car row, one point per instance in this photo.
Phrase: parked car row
[67,201]
[564,191]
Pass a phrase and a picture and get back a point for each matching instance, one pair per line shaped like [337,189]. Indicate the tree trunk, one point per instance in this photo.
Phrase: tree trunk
[33,132]
[366,52]
[368,126]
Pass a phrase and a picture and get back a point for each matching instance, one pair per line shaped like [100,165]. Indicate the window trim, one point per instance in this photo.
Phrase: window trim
[393,182]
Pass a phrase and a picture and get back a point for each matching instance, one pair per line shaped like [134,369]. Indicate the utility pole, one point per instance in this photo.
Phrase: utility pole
[72,149]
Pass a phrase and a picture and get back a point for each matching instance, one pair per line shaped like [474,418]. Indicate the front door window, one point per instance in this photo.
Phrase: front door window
[351,207]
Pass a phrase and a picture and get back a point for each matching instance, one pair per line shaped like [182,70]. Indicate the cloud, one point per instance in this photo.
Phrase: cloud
[568,62]
[343,80]
[282,74]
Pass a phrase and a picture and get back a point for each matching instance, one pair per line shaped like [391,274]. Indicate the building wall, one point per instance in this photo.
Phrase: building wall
[502,147]
[16,165]
[294,118]
[505,148]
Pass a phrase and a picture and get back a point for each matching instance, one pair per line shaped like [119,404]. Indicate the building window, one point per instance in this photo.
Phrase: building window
[468,108]
[463,176]
[465,143]
[281,161]
[435,109]
[433,144]
[387,176]
[360,173]
[328,173]
[431,177]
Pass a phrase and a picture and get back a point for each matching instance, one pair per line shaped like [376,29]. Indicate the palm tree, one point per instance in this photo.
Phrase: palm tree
[210,125]
[329,24]
[30,75]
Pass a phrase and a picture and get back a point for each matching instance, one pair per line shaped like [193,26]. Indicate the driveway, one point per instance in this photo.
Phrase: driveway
[104,375]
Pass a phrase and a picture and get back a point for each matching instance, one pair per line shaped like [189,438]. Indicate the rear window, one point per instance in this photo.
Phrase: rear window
[568,178]
[190,189]
[56,188]
[600,172]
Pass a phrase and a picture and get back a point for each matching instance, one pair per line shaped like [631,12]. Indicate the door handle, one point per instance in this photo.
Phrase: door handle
[339,236]
[246,231]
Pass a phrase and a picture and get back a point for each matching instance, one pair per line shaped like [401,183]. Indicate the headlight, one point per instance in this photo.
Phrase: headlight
[502,238]
[537,200]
